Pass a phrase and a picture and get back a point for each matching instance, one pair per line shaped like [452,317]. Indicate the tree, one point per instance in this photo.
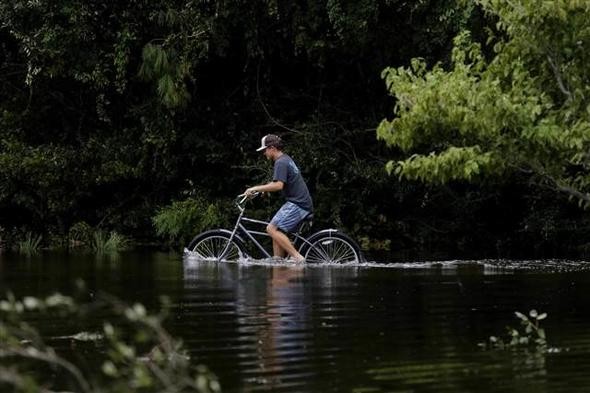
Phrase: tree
[523,109]
[111,109]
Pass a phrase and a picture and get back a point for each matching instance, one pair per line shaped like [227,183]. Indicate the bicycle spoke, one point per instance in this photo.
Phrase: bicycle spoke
[209,246]
[216,247]
[335,255]
[332,250]
[344,253]
[322,252]
[320,255]
[208,250]
[213,248]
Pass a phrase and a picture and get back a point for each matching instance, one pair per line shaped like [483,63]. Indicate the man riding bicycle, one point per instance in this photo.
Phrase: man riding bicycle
[287,179]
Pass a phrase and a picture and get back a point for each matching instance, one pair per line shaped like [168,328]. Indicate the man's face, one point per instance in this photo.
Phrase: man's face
[268,152]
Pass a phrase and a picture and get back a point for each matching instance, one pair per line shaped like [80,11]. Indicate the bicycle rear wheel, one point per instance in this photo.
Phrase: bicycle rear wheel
[333,248]
[216,245]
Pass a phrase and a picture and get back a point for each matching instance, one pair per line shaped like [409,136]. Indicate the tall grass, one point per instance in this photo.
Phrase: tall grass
[108,244]
[30,244]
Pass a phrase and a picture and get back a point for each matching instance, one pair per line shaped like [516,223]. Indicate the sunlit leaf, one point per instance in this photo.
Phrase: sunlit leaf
[521,316]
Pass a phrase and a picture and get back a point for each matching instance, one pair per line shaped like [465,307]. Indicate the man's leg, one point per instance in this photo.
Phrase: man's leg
[278,251]
[280,242]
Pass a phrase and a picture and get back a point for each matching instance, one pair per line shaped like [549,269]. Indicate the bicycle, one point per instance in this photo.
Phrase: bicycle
[328,245]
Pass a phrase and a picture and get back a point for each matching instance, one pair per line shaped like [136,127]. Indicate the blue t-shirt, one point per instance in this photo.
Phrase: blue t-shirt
[294,187]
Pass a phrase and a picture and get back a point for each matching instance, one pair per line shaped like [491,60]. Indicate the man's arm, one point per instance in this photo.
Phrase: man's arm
[268,187]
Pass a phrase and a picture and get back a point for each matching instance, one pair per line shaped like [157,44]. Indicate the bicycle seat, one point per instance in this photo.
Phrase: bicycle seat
[305,224]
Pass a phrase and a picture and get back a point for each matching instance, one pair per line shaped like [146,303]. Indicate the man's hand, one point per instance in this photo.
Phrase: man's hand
[269,187]
[250,191]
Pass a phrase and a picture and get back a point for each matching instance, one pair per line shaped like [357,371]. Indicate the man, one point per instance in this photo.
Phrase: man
[287,179]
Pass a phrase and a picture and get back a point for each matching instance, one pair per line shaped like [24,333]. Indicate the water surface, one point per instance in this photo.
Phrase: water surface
[374,327]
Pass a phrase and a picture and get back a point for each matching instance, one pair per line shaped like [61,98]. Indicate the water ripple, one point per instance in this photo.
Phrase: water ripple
[487,266]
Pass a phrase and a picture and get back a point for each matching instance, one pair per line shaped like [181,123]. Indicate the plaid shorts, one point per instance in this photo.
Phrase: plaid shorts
[288,217]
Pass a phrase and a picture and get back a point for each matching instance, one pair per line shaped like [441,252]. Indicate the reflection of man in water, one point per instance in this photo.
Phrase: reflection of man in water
[286,316]
[287,179]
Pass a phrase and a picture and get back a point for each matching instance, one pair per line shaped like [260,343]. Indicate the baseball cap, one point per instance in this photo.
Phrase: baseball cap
[270,140]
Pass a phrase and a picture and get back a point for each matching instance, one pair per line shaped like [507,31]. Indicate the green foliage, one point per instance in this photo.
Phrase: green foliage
[108,244]
[454,163]
[80,234]
[130,352]
[522,110]
[351,20]
[108,107]
[183,219]
[30,244]
[168,76]
[531,335]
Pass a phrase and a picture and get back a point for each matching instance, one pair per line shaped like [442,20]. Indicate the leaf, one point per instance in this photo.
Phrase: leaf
[31,302]
[87,336]
[521,316]
[109,369]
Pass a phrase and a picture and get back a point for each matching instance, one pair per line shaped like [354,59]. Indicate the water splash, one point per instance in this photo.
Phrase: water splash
[487,266]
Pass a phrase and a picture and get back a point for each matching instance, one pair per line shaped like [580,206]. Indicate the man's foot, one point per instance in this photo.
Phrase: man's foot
[296,260]
[276,259]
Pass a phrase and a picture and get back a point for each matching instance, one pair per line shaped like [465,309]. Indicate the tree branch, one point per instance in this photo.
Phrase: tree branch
[49,358]
[560,82]
[264,106]
[567,189]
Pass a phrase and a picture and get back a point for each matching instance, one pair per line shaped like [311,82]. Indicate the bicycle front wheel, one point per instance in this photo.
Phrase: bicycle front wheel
[216,246]
[333,248]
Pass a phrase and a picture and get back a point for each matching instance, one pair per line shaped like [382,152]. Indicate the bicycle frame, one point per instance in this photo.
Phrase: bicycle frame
[329,245]
[239,226]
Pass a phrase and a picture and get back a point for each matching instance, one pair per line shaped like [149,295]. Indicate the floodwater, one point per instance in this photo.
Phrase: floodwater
[374,327]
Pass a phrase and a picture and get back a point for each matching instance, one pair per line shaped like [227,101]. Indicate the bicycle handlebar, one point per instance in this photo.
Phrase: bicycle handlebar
[243,197]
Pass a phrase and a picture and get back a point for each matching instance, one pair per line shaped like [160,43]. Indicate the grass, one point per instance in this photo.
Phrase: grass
[113,243]
[30,245]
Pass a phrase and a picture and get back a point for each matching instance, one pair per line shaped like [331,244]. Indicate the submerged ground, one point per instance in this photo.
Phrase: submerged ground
[374,327]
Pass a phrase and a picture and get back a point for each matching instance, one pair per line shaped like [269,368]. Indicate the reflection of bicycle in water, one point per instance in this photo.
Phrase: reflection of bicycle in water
[329,245]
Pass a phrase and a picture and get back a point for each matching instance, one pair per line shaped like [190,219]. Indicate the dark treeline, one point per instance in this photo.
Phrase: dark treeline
[114,112]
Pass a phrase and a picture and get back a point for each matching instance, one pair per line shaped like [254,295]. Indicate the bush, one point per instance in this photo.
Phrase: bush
[80,234]
[184,219]
[130,354]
